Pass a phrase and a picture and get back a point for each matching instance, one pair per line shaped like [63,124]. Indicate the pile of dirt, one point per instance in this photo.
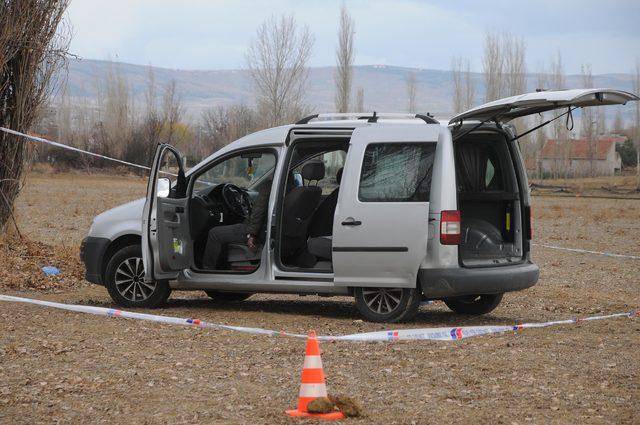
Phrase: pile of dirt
[22,262]
[348,406]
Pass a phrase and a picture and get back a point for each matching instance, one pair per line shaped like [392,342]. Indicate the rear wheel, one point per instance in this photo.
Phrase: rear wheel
[388,304]
[124,279]
[474,304]
[228,296]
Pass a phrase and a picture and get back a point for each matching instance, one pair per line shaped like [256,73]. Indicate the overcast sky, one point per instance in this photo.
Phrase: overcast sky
[214,34]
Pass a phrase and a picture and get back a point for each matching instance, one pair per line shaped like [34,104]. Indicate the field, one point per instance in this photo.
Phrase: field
[65,367]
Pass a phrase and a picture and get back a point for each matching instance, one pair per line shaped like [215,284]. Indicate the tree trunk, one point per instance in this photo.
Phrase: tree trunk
[31,51]
[638,167]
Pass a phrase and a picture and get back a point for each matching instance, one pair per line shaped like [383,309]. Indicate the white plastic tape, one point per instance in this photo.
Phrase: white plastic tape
[438,334]
[71,148]
[585,251]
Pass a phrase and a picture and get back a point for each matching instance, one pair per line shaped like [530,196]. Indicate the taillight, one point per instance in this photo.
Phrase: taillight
[529,213]
[450,228]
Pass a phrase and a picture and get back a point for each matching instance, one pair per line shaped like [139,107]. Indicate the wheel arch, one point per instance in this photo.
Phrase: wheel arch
[117,244]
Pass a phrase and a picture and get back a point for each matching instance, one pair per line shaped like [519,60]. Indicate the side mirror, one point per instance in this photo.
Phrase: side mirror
[163,187]
[297,180]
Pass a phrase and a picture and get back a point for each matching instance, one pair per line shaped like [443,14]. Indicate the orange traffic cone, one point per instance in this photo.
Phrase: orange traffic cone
[312,383]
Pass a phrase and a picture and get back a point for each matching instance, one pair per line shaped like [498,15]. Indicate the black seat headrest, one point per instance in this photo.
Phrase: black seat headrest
[339,175]
[313,170]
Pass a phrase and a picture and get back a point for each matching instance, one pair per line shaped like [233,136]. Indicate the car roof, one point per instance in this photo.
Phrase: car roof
[276,136]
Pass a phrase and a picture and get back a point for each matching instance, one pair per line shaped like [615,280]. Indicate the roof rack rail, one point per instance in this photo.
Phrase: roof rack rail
[306,119]
[369,116]
[428,118]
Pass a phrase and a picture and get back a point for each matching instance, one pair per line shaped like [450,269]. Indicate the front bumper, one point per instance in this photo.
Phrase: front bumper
[92,254]
[458,281]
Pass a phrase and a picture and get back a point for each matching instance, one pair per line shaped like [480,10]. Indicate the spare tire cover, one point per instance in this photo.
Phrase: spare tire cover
[481,239]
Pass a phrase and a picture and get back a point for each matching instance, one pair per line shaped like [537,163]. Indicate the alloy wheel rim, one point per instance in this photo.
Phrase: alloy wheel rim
[382,300]
[129,280]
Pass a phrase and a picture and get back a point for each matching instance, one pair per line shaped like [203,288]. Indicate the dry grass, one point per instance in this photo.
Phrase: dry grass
[593,183]
[22,262]
[613,186]
[58,208]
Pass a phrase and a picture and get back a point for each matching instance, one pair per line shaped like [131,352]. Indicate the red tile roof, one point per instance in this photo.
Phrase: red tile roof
[554,149]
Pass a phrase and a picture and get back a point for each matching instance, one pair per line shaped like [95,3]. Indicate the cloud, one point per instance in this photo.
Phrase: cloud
[201,34]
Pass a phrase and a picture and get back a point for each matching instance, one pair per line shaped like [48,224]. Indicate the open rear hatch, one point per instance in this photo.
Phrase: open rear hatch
[504,110]
[490,197]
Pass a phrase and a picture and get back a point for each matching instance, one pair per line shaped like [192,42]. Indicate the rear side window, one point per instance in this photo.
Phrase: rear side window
[397,172]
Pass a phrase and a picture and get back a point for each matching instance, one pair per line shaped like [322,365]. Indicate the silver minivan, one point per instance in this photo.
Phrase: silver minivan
[392,209]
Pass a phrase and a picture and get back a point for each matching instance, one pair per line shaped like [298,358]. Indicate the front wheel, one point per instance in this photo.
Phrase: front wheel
[124,279]
[387,304]
[474,304]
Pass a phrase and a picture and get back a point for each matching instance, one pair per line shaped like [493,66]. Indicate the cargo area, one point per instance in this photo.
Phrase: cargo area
[488,200]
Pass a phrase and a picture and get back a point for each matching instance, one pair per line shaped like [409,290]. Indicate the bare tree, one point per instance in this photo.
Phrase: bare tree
[636,89]
[148,134]
[359,100]
[160,121]
[556,81]
[117,119]
[540,135]
[277,61]
[588,123]
[172,111]
[493,67]
[515,83]
[222,125]
[412,88]
[152,123]
[344,61]
[31,51]
[515,70]
[463,88]
[618,123]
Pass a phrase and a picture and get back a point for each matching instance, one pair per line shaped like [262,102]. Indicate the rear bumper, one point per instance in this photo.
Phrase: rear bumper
[92,253]
[451,282]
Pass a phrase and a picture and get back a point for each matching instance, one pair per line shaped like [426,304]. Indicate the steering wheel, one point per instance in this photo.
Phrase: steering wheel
[237,200]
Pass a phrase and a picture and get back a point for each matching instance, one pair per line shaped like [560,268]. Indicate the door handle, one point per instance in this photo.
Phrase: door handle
[351,222]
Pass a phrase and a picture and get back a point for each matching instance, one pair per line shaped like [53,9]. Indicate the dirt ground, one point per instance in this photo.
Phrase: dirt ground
[612,186]
[65,367]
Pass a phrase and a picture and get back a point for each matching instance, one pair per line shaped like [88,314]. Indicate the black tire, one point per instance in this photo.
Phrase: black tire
[228,296]
[389,305]
[125,262]
[474,304]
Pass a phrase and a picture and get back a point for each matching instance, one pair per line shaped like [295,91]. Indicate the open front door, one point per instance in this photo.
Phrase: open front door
[532,103]
[166,241]
[381,223]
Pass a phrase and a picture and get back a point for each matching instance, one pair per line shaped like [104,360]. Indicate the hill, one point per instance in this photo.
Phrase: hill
[384,86]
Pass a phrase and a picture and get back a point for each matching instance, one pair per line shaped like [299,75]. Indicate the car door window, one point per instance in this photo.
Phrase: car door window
[489,173]
[397,172]
[333,162]
[493,172]
[241,170]
[168,184]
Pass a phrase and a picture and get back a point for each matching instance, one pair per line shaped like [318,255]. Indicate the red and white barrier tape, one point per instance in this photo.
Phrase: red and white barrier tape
[438,334]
